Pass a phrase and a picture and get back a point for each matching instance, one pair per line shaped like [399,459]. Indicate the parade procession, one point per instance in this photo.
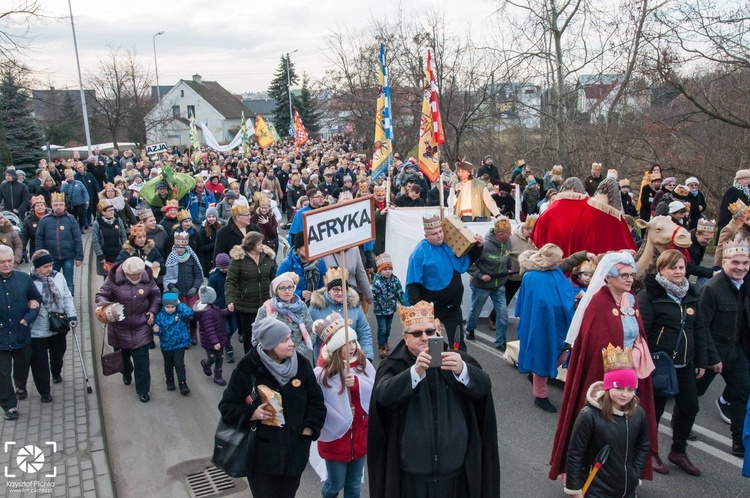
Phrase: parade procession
[474,253]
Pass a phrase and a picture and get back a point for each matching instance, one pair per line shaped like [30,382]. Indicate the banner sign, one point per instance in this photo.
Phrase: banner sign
[152,149]
[336,228]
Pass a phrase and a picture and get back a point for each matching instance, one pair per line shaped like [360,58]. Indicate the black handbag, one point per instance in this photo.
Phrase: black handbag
[664,376]
[234,448]
[58,322]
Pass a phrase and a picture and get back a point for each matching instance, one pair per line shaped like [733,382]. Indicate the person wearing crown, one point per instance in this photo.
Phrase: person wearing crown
[234,232]
[739,190]
[107,236]
[434,274]
[432,431]
[184,275]
[591,182]
[473,202]
[60,234]
[700,237]
[723,311]
[737,226]
[612,417]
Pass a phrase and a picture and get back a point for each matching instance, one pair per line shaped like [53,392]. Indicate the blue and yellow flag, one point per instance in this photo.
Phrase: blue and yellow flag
[262,131]
[382,155]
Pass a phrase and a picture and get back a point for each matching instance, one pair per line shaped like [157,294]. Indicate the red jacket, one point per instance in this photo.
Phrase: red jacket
[353,444]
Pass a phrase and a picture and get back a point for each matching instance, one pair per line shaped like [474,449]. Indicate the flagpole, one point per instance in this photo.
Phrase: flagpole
[442,204]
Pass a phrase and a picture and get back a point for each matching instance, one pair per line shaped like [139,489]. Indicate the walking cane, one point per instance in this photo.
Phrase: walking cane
[601,459]
[83,365]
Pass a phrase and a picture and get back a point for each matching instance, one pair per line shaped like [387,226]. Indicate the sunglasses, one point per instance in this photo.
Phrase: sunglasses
[419,333]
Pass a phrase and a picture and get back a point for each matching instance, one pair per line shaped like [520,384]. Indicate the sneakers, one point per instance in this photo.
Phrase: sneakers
[46,398]
[184,389]
[502,347]
[544,404]
[57,379]
[11,414]
[206,368]
[470,335]
[170,384]
[724,410]
[145,398]
[22,393]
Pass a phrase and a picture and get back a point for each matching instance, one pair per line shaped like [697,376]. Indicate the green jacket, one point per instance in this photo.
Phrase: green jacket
[248,283]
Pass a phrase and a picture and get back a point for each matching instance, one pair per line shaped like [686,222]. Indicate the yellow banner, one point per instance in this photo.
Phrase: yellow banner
[263,133]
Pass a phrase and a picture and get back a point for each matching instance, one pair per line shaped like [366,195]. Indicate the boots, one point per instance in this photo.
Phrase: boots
[193,334]
[206,368]
[217,377]
[184,389]
[170,384]
[229,351]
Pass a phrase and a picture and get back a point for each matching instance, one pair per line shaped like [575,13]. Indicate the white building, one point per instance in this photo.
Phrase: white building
[518,105]
[596,94]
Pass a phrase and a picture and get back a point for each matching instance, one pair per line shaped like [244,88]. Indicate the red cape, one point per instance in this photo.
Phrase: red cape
[575,225]
[600,327]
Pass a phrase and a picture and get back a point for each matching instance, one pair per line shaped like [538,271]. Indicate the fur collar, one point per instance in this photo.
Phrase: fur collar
[569,194]
[318,299]
[128,247]
[237,252]
[597,202]
[595,393]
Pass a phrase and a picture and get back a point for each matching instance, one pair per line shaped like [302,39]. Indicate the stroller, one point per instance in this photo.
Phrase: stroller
[14,219]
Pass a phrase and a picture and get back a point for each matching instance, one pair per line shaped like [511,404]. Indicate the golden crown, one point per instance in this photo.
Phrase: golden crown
[327,327]
[432,222]
[624,182]
[103,204]
[520,163]
[57,197]
[587,267]
[706,225]
[110,312]
[137,230]
[38,199]
[557,170]
[596,166]
[422,312]
[615,358]
[531,220]
[502,224]
[184,214]
[145,214]
[109,186]
[335,273]
[173,204]
[261,199]
[735,248]
[681,190]
[239,208]
[735,208]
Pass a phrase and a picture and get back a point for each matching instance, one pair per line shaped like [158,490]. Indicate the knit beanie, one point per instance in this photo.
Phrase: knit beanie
[207,294]
[270,332]
[170,298]
[212,211]
[288,276]
[133,265]
[624,377]
[222,260]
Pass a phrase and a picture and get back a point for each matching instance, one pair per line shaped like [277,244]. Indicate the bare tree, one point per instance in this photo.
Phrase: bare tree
[17,17]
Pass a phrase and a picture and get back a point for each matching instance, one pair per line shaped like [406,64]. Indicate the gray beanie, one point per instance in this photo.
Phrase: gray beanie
[207,294]
[12,172]
[212,211]
[270,332]
[230,194]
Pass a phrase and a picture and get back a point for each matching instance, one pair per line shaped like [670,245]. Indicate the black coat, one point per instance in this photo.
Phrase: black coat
[281,451]
[230,235]
[394,405]
[647,196]
[664,320]
[722,306]
[731,195]
[696,202]
[697,252]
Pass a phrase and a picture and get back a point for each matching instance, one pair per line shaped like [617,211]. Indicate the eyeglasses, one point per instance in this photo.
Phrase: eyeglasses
[285,288]
[319,196]
[418,333]
[337,290]
[627,276]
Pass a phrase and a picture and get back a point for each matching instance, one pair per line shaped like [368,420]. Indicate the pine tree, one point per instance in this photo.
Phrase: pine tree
[20,134]
[279,91]
[67,125]
[308,108]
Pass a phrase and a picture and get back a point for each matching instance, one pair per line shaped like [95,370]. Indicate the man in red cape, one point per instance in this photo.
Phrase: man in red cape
[575,222]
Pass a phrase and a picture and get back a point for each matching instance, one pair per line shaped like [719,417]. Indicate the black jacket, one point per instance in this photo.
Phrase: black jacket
[731,195]
[722,307]
[647,195]
[628,450]
[664,320]
[14,196]
[696,252]
[280,451]
[230,235]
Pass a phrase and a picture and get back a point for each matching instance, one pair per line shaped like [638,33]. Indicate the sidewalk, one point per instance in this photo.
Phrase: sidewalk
[66,455]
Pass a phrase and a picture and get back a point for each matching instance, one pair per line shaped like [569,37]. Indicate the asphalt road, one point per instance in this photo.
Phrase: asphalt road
[153,447]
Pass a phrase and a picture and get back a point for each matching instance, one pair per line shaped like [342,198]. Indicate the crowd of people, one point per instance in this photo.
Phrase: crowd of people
[199,247]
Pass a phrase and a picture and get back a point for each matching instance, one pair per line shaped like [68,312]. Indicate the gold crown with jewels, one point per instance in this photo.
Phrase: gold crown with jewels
[615,358]
[422,312]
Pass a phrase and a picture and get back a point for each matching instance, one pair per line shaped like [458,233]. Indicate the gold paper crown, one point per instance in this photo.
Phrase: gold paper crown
[617,359]
[103,204]
[735,208]
[173,204]
[199,177]
[379,189]
[335,273]
[502,224]
[596,166]
[57,197]
[586,267]
[261,199]
[422,312]
[531,220]
[184,214]
[239,208]
[108,186]
[681,190]
[38,199]
[181,239]
[624,182]
[327,328]
[137,230]
[383,260]
[520,163]
[432,222]
[735,248]
[705,225]
[110,312]
[557,170]
[145,214]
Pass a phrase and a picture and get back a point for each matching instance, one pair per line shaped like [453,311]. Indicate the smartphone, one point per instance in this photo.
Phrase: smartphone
[435,348]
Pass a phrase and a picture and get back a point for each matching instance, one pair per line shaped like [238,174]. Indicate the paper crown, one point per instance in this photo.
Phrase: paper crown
[422,312]
[103,204]
[596,166]
[335,276]
[173,204]
[239,208]
[681,190]
[557,170]
[145,214]
[705,225]
[181,239]
[585,267]
[520,163]
[110,312]
[57,197]
[184,214]
[617,359]
[432,222]
[502,224]
[378,189]
[328,326]
[735,248]
[624,182]
[109,186]
[735,207]
[531,220]
[261,199]
[383,261]
[199,178]
[38,199]
[137,230]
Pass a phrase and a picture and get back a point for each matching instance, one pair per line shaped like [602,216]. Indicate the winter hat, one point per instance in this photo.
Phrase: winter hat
[612,173]
[383,261]
[230,194]
[12,172]
[270,332]
[690,180]
[288,276]
[619,370]
[133,265]
[212,211]
[222,260]
[170,298]
[743,173]
[207,294]
[162,184]
[668,180]
[676,206]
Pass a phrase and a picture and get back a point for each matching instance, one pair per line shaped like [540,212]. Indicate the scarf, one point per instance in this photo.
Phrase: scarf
[742,188]
[312,274]
[672,289]
[174,259]
[282,372]
[51,296]
[293,312]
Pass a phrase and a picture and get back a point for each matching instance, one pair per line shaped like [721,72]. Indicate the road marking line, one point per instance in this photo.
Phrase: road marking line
[702,430]
[720,454]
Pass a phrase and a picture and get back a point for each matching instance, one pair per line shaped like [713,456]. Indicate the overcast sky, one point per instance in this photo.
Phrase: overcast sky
[238,44]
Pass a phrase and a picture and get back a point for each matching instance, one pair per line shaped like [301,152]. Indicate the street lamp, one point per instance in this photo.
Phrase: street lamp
[289,86]
[156,67]
[80,82]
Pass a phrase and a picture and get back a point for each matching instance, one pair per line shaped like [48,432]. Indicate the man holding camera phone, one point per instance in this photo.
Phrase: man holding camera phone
[432,430]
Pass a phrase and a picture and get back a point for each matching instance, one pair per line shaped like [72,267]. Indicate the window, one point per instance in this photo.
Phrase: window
[191,110]
[182,93]
[175,111]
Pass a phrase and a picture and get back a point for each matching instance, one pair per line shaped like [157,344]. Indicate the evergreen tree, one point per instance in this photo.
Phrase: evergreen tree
[279,92]
[307,106]
[67,125]
[21,137]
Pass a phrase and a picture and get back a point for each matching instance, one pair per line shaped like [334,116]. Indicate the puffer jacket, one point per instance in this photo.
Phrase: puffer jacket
[211,320]
[14,196]
[321,307]
[173,329]
[248,284]
[10,238]
[137,299]
[495,261]
[75,192]
[664,320]
[28,232]
[61,236]
[293,263]
[15,293]
[628,449]
[40,327]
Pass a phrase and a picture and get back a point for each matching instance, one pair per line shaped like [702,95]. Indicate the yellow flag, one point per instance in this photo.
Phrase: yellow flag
[263,133]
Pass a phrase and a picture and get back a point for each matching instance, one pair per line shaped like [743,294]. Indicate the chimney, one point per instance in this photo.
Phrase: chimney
[198,79]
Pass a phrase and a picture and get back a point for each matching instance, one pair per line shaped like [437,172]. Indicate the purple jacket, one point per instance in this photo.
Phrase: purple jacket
[212,329]
[137,300]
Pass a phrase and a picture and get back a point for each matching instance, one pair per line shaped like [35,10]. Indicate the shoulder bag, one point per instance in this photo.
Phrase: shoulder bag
[664,376]
[112,363]
[234,448]
[58,322]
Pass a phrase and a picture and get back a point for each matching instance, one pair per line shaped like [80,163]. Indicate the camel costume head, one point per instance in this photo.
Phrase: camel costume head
[662,234]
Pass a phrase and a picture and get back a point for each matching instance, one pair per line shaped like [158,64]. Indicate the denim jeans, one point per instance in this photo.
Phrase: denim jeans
[68,267]
[344,475]
[478,298]
[384,328]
